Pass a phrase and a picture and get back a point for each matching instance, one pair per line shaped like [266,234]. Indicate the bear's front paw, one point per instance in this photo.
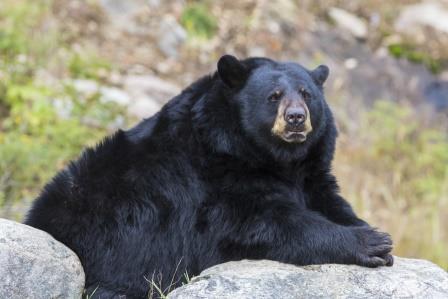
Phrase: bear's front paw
[374,248]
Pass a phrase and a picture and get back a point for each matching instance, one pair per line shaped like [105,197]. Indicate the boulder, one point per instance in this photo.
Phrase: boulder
[149,85]
[349,22]
[149,93]
[171,36]
[34,265]
[430,14]
[408,278]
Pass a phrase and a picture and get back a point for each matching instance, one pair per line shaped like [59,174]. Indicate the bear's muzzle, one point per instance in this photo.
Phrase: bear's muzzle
[293,121]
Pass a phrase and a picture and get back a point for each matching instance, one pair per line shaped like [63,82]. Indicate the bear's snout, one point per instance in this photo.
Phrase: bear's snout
[295,116]
[293,121]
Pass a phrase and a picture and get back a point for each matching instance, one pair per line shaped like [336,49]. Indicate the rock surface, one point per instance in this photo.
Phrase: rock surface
[34,265]
[415,16]
[408,278]
[142,95]
[349,22]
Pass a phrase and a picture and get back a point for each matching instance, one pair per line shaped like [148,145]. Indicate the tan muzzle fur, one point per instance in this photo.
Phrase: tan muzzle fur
[280,124]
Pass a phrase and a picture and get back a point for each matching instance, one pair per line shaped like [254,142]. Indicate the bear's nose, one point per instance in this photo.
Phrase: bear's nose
[295,116]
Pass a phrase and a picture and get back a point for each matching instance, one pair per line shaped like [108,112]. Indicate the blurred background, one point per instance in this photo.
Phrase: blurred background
[74,71]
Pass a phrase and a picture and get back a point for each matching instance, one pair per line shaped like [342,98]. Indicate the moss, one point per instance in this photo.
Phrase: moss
[198,22]
[410,53]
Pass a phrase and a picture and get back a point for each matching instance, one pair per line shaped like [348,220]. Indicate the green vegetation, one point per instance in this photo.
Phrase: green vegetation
[90,296]
[415,56]
[18,21]
[87,66]
[155,284]
[42,126]
[198,22]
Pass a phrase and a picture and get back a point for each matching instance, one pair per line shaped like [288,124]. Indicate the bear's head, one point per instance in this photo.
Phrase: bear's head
[281,106]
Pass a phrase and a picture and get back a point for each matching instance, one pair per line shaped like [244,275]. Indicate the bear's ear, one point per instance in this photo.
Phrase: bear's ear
[231,71]
[320,74]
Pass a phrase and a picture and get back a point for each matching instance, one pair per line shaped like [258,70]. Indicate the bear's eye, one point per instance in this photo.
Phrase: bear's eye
[275,96]
[305,94]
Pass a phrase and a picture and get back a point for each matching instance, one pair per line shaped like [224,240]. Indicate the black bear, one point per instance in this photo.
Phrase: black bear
[237,166]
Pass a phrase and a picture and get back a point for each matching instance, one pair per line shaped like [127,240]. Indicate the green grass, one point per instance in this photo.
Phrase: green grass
[198,21]
[155,283]
[88,66]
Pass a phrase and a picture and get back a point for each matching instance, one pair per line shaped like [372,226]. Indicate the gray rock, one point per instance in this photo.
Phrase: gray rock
[63,107]
[144,107]
[121,13]
[171,36]
[349,22]
[150,86]
[437,94]
[408,278]
[34,265]
[107,94]
[142,95]
[118,8]
[430,14]
[84,87]
[115,95]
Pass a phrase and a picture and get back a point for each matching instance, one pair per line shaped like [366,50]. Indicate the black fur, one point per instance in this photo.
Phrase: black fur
[204,182]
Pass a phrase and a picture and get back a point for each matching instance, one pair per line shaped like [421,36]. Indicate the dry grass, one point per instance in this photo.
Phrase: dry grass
[395,172]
